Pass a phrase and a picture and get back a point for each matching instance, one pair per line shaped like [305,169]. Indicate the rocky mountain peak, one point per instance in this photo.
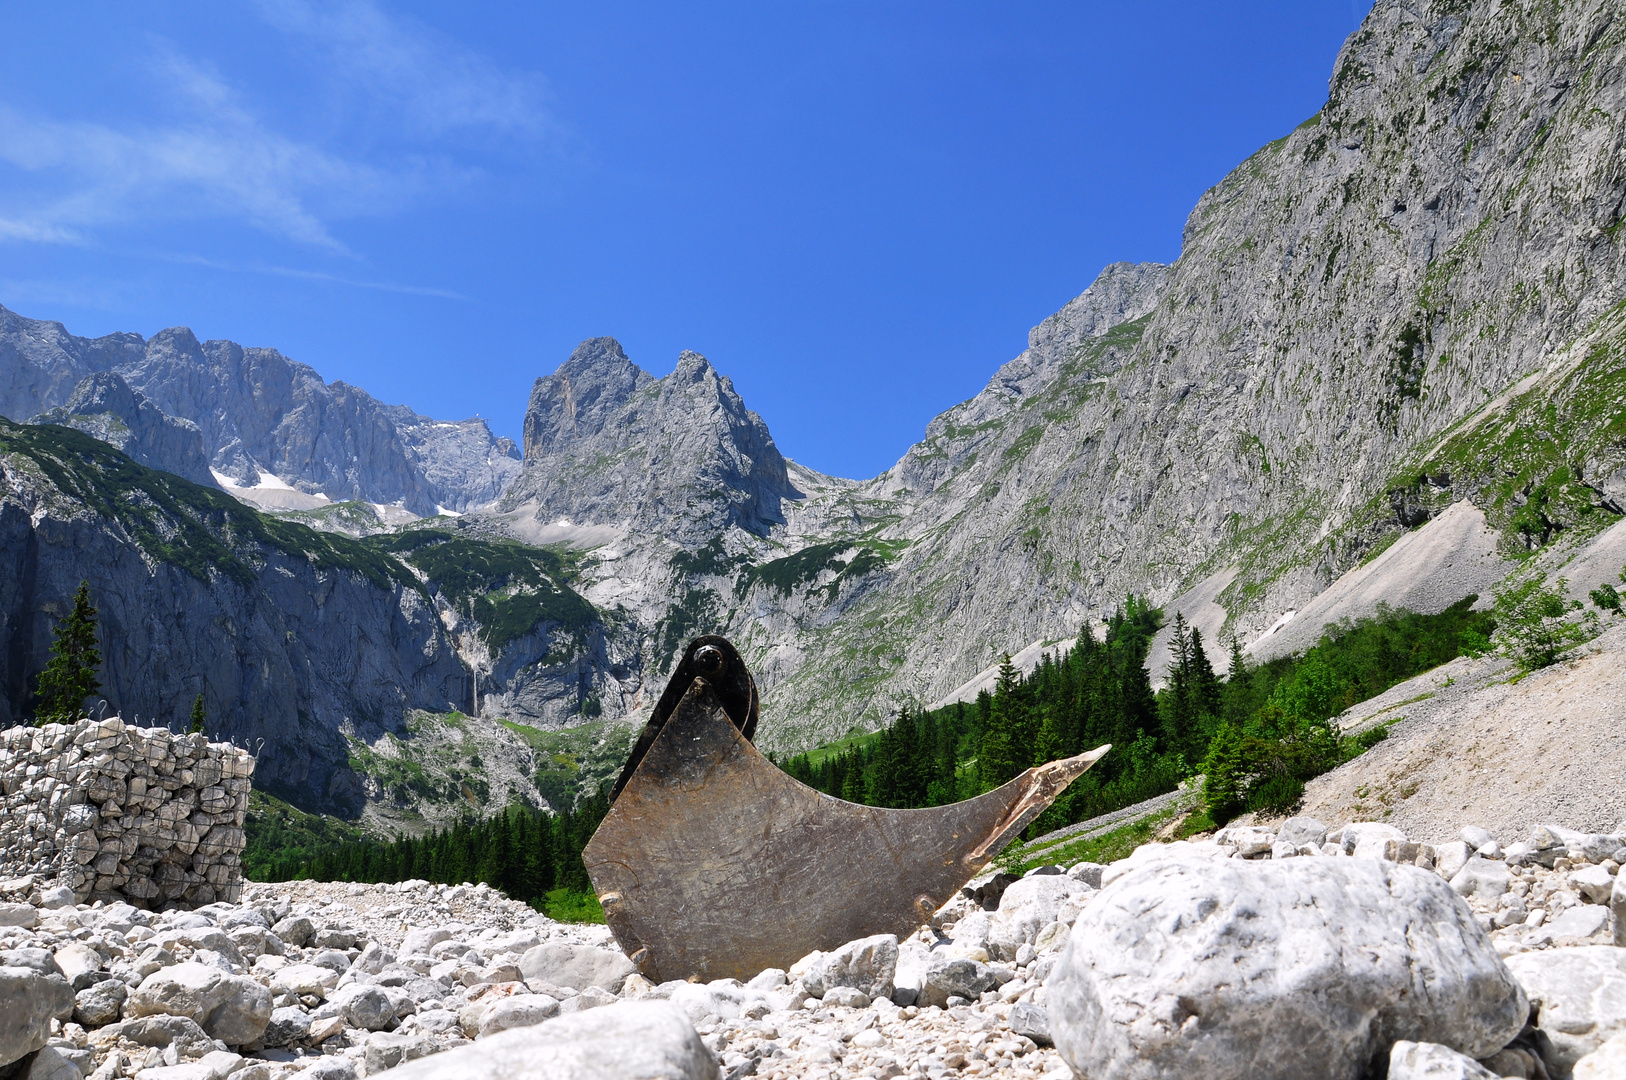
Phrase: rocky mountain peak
[105,406]
[607,443]
[258,412]
[576,401]
[173,343]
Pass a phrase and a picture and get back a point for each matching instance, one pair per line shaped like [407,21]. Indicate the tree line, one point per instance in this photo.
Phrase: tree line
[1258,733]
[525,852]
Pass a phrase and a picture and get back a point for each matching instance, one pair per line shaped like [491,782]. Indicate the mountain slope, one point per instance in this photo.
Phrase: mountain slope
[320,652]
[1444,227]
[1414,298]
[263,413]
[104,406]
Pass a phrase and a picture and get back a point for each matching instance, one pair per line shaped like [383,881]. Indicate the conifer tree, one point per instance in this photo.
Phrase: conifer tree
[1207,692]
[1179,703]
[1222,790]
[70,676]
[197,715]
[1000,755]
[852,780]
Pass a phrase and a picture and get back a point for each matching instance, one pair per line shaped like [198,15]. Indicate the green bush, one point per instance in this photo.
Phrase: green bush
[1533,624]
[1276,794]
[1606,597]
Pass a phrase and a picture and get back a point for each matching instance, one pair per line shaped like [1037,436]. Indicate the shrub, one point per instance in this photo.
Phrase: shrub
[1606,597]
[1277,794]
[1532,624]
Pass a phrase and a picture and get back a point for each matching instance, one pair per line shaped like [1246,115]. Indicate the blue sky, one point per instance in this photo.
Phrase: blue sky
[855,210]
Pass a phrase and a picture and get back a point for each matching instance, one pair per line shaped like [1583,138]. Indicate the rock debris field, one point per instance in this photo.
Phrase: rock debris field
[1294,952]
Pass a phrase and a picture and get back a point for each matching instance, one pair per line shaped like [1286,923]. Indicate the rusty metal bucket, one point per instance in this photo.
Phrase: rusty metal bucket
[713,863]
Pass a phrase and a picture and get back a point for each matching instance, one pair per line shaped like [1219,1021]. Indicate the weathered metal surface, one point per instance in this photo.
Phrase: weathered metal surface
[715,863]
[714,659]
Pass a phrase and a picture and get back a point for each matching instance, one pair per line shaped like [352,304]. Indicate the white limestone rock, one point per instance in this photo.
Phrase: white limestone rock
[576,966]
[1431,1061]
[866,964]
[1607,1062]
[647,1039]
[1486,879]
[1275,969]
[1030,905]
[1581,993]
[32,1000]
[232,1008]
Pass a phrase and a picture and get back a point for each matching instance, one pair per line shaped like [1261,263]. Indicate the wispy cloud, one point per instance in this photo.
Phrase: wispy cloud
[434,83]
[315,275]
[202,152]
[217,160]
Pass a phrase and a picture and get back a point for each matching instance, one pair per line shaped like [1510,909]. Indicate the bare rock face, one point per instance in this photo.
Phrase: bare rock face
[1292,968]
[104,406]
[258,412]
[268,624]
[1341,299]
[608,444]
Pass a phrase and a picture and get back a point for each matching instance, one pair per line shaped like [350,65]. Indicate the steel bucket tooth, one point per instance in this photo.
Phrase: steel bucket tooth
[714,863]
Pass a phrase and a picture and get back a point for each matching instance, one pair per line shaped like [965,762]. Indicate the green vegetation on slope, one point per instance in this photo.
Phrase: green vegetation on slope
[1260,733]
[282,838]
[195,528]
[785,575]
[575,761]
[513,587]
[1526,461]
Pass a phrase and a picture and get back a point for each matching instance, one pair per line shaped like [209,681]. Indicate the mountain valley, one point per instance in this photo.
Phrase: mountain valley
[1386,367]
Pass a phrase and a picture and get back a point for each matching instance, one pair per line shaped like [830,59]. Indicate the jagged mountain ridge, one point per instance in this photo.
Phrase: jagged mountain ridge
[260,412]
[317,651]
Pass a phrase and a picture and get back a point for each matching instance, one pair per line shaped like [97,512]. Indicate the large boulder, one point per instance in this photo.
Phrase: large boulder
[1607,1062]
[951,977]
[312,980]
[100,1004]
[24,915]
[1431,1061]
[867,964]
[1030,905]
[1275,969]
[162,1030]
[647,1039]
[232,1008]
[1581,995]
[576,966]
[31,999]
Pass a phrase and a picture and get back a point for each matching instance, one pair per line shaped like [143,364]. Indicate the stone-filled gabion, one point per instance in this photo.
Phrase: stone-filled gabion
[116,812]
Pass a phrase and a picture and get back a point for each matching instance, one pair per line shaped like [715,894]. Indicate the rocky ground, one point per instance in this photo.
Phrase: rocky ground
[1348,939]
[1469,742]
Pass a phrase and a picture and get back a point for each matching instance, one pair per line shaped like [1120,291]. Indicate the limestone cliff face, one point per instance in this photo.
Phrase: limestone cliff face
[1443,228]
[606,443]
[261,412]
[1413,298]
[104,406]
[293,638]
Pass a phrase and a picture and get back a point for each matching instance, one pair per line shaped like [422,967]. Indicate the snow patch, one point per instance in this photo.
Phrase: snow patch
[1275,626]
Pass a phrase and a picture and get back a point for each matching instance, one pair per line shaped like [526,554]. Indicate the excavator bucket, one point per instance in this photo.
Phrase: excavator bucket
[713,863]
